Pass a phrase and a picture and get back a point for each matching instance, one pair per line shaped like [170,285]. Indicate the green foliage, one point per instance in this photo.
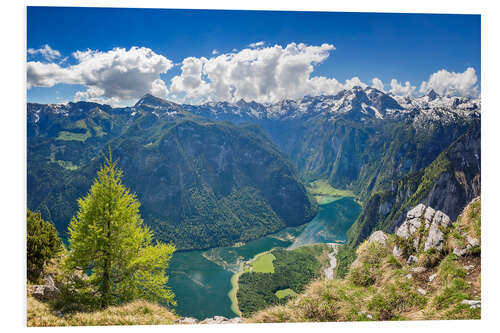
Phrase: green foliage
[345,257]
[293,270]
[42,244]
[370,259]
[454,286]
[109,242]
[201,184]
[394,298]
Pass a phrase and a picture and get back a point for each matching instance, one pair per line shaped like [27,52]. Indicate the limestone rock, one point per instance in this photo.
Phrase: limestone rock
[421,291]
[418,270]
[434,221]
[435,238]
[472,241]
[397,252]
[412,260]
[235,320]
[432,277]
[472,303]
[461,251]
[222,320]
[44,292]
[188,320]
[378,237]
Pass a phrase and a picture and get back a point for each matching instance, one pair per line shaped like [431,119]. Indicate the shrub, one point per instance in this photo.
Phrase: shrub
[429,258]
[367,269]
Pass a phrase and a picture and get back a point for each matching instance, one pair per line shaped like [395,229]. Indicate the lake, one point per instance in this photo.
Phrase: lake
[201,280]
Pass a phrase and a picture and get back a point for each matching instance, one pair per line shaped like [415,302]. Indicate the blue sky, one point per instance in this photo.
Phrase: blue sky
[404,47]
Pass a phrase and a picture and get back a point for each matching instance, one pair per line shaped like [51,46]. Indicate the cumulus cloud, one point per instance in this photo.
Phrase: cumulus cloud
[114,75]
[190,82]
[46,52]
[256,44]
[377,84]
[265,74]
[214,52]
[354,82]
[399,89]
[452,84]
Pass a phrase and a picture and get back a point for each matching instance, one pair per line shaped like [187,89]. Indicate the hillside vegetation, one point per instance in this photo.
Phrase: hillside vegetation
[390,282]
[277,276]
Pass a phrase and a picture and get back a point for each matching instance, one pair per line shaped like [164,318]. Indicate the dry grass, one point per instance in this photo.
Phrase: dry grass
[380,286]
[135,313]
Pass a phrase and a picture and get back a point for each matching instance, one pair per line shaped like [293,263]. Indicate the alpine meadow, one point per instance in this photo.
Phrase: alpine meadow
[316,169]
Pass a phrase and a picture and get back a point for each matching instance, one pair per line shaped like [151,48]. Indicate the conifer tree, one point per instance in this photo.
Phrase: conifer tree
[109,241]
[42,244]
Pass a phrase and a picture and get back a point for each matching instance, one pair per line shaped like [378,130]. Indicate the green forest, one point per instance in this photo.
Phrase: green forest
[293,269]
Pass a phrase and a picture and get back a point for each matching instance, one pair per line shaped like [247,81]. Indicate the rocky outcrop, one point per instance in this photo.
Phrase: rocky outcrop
[378,237]
[46,291]
[424,225]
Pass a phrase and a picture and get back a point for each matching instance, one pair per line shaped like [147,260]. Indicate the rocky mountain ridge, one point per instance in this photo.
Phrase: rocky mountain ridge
[358,103]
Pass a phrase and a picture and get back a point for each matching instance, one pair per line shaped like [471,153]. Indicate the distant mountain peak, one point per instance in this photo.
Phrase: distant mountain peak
[432,95]
[152,100]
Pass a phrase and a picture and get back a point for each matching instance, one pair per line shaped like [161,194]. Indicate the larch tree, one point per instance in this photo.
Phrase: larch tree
[109,242]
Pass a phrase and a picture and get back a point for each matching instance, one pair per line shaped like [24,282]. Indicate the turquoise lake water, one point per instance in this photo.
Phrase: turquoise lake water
[201,280]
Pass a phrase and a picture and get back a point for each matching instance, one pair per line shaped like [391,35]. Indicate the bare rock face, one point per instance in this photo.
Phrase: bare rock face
[378,237]
[428,220]
[44,292]
[188,320]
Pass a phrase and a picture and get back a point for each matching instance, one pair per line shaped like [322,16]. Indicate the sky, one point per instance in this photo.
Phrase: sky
[115,56]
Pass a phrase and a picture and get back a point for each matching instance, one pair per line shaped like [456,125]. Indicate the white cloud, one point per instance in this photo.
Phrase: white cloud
[402,90]
[114,75]
[354,82]
[452,84]
[377,84]
[214,52]
[256,44]
[265,75]
[190,82]
[46,51]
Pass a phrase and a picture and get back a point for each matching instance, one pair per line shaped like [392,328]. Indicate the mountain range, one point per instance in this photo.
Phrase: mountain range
[219,173]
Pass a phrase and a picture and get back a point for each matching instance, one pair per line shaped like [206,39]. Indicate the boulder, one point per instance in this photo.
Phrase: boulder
[44,292]
[378,237]
[434,221]
[435,237]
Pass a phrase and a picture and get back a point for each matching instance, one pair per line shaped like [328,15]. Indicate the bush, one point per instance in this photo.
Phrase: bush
[42,244]
[367,269]
[429,258]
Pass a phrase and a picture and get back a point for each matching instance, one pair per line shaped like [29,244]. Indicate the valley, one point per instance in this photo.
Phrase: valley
[205,282]
[226,182]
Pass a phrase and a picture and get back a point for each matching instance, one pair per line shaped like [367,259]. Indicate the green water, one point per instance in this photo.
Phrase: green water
[201,280]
